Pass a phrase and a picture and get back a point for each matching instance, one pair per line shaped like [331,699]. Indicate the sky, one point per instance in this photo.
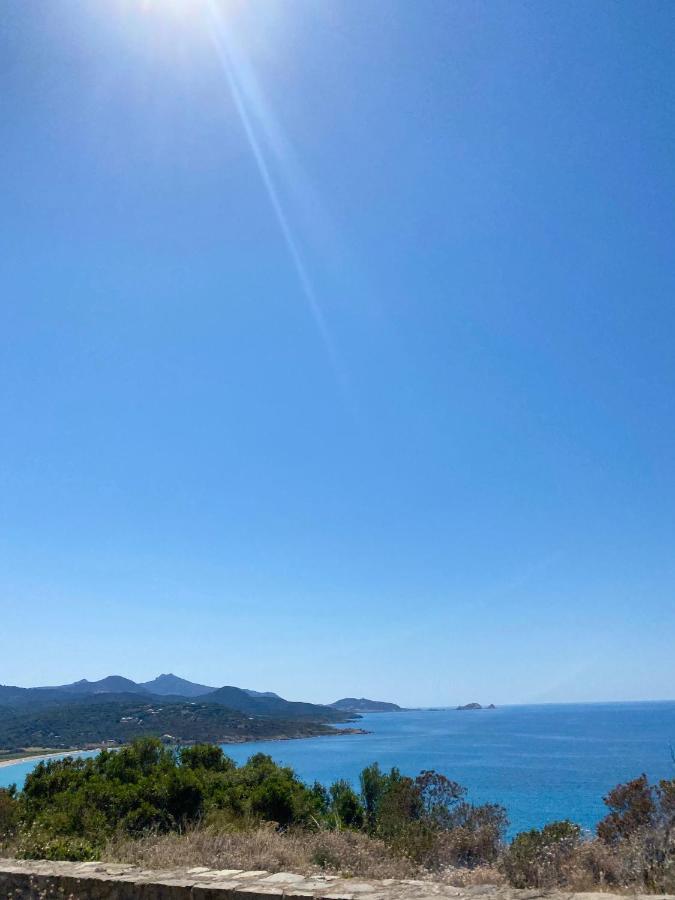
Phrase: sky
[336,346]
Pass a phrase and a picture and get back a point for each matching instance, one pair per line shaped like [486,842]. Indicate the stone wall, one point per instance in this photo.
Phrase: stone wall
[41,880]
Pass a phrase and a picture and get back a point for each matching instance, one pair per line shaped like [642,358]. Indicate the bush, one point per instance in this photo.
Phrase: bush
[74,808]
[9,815]
[40,843]
[373,786]
[345,806]
[206,757]
[475,836]
[541,858]
[71,808]
[632,808]
[439,797]
[427,820]
[640,829]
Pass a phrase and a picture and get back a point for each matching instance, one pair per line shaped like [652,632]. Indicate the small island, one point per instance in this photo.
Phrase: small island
[477,706]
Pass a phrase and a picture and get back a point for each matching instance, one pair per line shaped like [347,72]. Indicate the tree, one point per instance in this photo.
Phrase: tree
[373,784]
[346,806]
[632,808]
[206,756]
[439,797]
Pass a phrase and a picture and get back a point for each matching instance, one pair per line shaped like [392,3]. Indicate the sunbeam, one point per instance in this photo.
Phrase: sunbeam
[246,96]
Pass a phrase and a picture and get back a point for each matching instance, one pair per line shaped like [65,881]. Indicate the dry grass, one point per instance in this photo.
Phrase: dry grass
[345,853]
[644,862]
[590,867]
[594,866]
[264,848]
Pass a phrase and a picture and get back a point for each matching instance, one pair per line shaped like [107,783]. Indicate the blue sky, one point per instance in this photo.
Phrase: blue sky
[336,346]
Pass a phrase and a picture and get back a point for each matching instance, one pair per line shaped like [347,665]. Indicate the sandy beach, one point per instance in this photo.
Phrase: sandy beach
[40,757]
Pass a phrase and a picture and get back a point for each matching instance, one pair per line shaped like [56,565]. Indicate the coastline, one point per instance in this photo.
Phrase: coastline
[61,754]
[40,757]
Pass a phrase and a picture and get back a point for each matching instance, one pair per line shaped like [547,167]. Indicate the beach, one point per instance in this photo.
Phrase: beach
[39,757]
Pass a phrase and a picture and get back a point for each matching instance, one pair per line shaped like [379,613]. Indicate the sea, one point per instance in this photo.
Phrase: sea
[542,763]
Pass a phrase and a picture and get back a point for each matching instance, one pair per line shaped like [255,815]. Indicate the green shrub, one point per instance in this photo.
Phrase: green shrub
[9,814]
[345,806]
[71,808]
[373,786]
[208,757]
[427,820]
[540,858]
[39,842]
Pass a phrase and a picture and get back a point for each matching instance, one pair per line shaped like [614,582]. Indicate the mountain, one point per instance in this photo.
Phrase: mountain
[476,706]
[10,694]
[362,704]
[113,684]
[236,698]
[41,705]
[166,685]
[43,698]
[114,719]
[172,685]
[261,693]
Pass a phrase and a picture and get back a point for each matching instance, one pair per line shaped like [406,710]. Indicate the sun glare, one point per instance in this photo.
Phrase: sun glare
[179,9]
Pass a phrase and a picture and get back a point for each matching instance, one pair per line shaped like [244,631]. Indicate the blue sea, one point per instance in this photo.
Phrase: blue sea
[541,762]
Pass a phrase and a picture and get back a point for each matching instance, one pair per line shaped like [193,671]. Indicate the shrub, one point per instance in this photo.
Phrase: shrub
[72,807]
[632,808]
[541,858]
[427,820]
[475,836]
[373,786]
[9,814]
[345,806]
[207,757]
[640,829]
[400,803]
[40,842]
[439,797]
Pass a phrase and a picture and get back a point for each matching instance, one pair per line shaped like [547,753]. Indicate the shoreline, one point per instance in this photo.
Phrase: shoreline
[61,754]
[40,757]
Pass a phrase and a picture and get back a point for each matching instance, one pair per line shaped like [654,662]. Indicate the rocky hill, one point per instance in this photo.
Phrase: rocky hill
[362,704]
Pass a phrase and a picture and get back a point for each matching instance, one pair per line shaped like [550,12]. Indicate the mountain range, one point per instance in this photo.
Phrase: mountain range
[263,703]
[169,685]
[115,709]
[162,686]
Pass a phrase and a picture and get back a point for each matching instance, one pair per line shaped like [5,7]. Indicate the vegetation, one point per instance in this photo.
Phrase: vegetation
[156,805]
[541,858]
[9,815]
[634,847]
[362,704]
[115,710]
[73,808]
[96,721]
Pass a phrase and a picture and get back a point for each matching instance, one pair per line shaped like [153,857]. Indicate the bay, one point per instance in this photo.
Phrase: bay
[542,763]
